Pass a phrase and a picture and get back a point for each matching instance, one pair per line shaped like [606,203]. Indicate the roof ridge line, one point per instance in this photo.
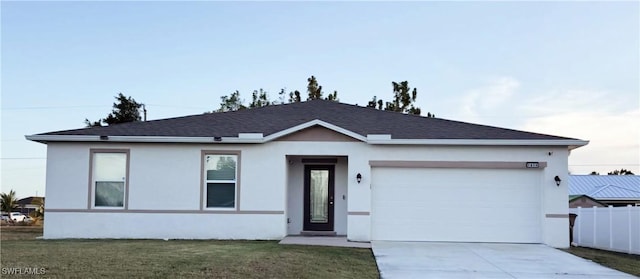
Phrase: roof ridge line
[601,187]
[625,188]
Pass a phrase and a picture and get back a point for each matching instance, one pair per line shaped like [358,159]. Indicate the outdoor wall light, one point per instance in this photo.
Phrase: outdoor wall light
[558,180]
[359,177]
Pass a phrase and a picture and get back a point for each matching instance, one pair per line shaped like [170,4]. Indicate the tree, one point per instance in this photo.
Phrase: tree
[38,214]
[404,99]
[126,109]
[620,172]
[594,173]
[294,97]
[259,99]
[8,201]
[93,123]
[375,103]
[313,89]
[333,96]
[231,103]
[282,95]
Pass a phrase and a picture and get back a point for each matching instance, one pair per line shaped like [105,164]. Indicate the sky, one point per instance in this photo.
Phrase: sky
[563,68]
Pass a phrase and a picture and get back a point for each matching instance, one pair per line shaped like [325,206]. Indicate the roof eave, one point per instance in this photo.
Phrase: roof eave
[142,139]
[571,143]
[370,140]
[242,137]
[617,199]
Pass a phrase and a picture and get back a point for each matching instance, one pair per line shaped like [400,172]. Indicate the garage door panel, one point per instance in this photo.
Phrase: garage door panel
[483,205]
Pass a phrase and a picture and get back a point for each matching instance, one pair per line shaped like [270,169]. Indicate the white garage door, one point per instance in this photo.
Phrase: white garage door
[469,205]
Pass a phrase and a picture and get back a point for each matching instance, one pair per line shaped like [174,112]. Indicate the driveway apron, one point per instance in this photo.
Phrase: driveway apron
[482,260]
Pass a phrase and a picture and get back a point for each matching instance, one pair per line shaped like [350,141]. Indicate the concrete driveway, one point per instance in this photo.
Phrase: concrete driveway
[482,260]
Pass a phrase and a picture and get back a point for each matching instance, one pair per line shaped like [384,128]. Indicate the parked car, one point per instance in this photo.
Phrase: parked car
[17,216]
[5,217]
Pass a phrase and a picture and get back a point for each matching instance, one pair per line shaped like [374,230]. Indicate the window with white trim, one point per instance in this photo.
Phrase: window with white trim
[220,177]
[108,179]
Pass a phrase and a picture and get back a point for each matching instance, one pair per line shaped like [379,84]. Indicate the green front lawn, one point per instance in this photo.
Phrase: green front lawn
[628,263]
[185,259]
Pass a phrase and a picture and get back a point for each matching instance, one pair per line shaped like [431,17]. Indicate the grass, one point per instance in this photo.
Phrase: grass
[628,263]
[206,258]
[181,258]
[20,232]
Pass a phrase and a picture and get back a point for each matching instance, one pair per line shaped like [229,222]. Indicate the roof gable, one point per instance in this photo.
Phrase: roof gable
[577,198]
[316,133]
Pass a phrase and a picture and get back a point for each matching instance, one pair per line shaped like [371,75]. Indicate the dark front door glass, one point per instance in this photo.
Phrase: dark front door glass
[319,196]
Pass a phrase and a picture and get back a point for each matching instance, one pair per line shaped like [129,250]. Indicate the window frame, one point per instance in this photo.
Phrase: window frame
[204,181]
[92,182]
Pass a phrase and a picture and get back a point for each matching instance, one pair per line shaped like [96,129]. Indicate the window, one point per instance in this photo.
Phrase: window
[109,178]
[220,177]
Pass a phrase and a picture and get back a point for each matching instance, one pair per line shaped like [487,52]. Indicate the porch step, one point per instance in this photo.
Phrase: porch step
[318,233]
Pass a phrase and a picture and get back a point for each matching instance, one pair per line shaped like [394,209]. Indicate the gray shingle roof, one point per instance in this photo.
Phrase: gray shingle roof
[272,119]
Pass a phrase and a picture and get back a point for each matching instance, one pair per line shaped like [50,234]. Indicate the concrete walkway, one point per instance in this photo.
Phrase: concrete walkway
[337,241]
[482,260]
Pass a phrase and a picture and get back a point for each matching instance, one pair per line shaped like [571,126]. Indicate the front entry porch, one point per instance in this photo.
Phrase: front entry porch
[317,195]
[336,241]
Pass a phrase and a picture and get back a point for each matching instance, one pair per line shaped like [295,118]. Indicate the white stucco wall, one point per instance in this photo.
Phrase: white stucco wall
[295,195]
[164,178]
[167,177]
[67,172]
[162,226]
[555,200]
[341,196]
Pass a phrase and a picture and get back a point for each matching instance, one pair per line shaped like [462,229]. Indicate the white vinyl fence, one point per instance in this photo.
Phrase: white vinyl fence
[608,228]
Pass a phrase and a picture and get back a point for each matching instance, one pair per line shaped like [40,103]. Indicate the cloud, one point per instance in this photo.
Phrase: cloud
[610,126]
[572,100]
[485,99]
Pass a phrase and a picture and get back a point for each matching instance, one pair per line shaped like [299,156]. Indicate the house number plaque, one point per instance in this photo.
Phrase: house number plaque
[533,165]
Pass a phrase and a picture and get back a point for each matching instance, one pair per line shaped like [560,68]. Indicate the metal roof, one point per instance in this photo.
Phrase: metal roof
[610,187]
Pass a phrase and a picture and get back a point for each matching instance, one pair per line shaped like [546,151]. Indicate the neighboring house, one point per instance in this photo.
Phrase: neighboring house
[27,205]
[615,190]
[310,167]
[584,201]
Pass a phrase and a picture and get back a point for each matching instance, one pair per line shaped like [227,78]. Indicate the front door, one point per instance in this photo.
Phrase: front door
[318,197]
